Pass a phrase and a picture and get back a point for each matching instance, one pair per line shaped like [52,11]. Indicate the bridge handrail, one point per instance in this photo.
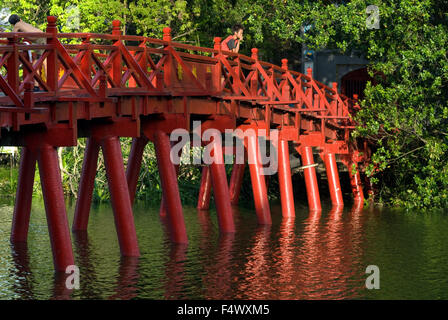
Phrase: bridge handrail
[270,80]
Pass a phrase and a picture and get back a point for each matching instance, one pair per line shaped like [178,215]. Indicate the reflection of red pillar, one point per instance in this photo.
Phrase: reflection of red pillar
[24,194]
[205,189]
[170,188]
[221,192]
[258,182]
[312,188]
[355,182]
[284,177]
[175,272]
[55,207]
[86,185]
[135,164]
[236,181]
[119,193]
[333,179]
[128,275]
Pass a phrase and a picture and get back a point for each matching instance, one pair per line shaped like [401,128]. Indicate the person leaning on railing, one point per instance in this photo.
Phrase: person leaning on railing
[232,42]
[22,26]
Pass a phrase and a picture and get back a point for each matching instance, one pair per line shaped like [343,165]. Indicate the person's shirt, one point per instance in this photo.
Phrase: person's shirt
[229,43]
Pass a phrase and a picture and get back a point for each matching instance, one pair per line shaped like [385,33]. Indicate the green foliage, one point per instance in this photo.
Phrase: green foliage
[8,181]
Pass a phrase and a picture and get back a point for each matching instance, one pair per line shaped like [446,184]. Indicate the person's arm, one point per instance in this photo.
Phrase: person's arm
[16,28]
[231,45]
[237,48]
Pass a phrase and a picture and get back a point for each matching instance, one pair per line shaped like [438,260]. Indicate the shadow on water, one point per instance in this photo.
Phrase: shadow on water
[315,255]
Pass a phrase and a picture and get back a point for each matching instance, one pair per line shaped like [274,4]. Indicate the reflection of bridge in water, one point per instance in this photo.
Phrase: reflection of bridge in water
[106,86]
[313,256]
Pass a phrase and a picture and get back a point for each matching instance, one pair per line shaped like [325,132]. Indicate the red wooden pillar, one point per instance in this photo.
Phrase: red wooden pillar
[258,182]
[236,181]
[119,192]
[170,188]
[221,192]
[333,179]
[55,207]
[86,185]
[135,164]
[52,58]
[162,210]
[205,189]
[285,182]
[310,178]
[24,194]
[116,70]
[355,182]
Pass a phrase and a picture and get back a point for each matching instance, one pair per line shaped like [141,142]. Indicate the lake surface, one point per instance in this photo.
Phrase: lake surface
[314,256]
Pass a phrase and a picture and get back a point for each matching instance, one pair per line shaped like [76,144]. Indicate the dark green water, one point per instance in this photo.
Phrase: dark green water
[311,257]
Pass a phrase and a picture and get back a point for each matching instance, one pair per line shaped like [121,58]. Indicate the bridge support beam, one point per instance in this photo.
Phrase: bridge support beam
[355,182]
[258,182]
[205,189]
[105,135]
[119,193]
[86,186]
[285,182]
[312,187]
[221,192]
[334,184]
[170,188]
[135,164]
[41,146]
[24,194]
[162,209]
[55,207]
[236,181]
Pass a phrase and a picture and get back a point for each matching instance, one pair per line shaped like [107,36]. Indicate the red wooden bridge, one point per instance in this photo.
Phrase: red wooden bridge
[106,86]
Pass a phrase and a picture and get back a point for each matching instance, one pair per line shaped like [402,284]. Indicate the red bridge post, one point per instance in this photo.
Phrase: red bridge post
[284,177]
[135,164]
[351,162]
[170,188]
[162,209]
[205,189]
[355,182]
[258,182]
[236,181]
[86,185]
[312,187]
[221,190]
[333,179]
[55,207]
[24,194]
[119,192]
[40,146]
[105,135]
[284,166]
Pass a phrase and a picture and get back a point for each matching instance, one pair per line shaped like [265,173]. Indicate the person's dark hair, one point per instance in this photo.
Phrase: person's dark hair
[13,19]
[237,28]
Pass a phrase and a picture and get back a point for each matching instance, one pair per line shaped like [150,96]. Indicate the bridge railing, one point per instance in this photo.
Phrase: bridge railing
[95,66]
